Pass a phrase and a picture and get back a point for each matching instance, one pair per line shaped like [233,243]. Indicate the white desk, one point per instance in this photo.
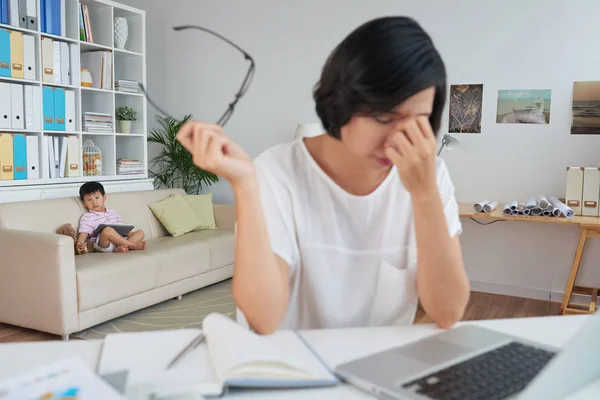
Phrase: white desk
[334,346]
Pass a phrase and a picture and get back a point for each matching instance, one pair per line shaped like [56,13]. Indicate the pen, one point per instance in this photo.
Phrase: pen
[192,345]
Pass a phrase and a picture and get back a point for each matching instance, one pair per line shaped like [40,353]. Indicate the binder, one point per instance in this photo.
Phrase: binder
[16,55]
[63,18]
[591,191]
[70,111]
[37,108]
[75,68]
[56,153]
[62,141]
[28,111]
[48,17]
[4,53]
[23,14]
[5,108]
[33,158]
[48,60]
[20,157]
[4,12]
[29,58]
[45,157]
[59,109]
[48,111]
[43,16]
[32,20]
[13,12]
[55,7]
[56,62]
[574,195]
[50,149]
[6,157]
[16,105]
[65,64]
[72,163]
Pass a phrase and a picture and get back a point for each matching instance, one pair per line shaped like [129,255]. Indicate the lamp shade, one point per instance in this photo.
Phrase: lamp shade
[308,129]
[449,142]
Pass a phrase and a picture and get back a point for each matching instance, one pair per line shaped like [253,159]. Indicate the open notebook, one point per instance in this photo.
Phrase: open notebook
[235,356]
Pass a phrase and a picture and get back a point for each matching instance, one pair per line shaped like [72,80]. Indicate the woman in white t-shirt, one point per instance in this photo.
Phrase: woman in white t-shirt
[353,227]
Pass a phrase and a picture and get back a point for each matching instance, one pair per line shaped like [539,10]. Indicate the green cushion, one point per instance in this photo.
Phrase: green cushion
[203,206]
[176,215]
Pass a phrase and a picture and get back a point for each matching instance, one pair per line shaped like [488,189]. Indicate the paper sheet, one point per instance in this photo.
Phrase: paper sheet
[69,378]
[562,208]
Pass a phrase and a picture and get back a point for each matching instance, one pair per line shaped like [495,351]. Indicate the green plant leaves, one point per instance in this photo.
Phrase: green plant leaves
[173,167]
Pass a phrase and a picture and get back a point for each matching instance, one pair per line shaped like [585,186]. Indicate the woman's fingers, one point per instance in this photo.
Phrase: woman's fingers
[402,144]
[425,126]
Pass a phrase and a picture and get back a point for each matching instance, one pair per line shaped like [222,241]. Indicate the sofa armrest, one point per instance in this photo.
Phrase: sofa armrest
[225,216]
[38,284]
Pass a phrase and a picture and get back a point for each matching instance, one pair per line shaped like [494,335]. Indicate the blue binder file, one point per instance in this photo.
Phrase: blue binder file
[48,16]
[59,110]
[48,100]
[20,156]
[3,8]
[43,16]
[56,17]
[4,53]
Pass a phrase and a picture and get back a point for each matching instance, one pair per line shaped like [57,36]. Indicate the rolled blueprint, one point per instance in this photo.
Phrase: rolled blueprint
[547,213]
[531,203]
[514,205]
[521,207]
[526,211]
[514,212]
[506,210]
[562,207]
[556,212]
[536,211]
[489,207]
[550,208]
[478,207]
[543,201]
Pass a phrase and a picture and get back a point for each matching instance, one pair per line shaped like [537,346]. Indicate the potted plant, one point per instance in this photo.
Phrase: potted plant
[173,167]
[125,115]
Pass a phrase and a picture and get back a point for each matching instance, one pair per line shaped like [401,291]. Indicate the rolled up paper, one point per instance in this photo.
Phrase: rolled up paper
[521,207]
[550,208]
[531,203]
[543,201]
[546,213]
[506,210]
[536,211]
[556,212]
[562,207]
[478,207]
[514,212]
[514,204]
[489,207]
[527,211]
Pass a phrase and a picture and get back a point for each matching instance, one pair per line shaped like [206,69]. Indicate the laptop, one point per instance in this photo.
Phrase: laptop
[471,362]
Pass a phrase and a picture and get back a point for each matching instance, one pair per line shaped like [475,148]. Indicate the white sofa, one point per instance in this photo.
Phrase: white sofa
[44,286]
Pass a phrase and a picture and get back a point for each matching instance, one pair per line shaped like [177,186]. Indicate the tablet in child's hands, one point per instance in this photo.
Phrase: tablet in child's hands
[122,229]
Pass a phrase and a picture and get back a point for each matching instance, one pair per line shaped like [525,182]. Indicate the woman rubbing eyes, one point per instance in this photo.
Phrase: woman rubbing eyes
[353,227]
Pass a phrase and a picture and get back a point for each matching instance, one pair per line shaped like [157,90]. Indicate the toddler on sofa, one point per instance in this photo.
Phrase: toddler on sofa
[93,196]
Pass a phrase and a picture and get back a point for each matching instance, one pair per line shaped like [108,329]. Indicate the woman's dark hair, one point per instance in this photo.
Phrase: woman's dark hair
[375,68]
[91,188]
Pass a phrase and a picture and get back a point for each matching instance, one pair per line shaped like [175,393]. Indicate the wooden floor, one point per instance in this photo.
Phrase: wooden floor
[481,306]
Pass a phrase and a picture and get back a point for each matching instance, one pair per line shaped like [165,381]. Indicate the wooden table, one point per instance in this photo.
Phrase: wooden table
[590,228]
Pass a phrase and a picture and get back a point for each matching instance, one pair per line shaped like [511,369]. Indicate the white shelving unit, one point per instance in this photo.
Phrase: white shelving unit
[128,64]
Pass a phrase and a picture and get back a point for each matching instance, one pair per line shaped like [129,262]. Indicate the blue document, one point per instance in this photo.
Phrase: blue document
[59,109]
[4,53]
[20,156]
[48,100]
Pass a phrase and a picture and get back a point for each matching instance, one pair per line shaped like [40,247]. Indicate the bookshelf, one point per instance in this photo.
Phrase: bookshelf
[129,64]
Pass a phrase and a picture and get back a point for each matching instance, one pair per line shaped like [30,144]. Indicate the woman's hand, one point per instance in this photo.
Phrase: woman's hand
[412,149]
[212,151]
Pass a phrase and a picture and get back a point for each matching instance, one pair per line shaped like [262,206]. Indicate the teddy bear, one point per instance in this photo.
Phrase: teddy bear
[68,230]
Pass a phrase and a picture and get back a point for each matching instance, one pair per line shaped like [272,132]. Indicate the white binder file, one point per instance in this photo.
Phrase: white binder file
[56,153]
[70,110]
[29,114]
[13,9]
[591,191]
[63,141]
[72,164]
[574,195]
[57,65]
[16,105]
[46,156]
[63,18]
[29,57]
[33,158]
[75,68]
[48,60]
[5,108]
[51,162]
[65,64]
[37,108]
[32,18]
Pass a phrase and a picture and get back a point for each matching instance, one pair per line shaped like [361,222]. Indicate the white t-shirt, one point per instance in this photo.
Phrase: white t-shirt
[352,258]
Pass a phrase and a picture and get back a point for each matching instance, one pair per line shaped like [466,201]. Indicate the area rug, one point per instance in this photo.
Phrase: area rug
[171,314]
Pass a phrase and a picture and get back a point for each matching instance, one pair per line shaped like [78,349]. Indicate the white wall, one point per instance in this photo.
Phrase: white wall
[512,44]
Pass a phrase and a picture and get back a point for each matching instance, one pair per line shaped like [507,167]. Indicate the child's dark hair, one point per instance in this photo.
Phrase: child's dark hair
[90,188]
[375,68]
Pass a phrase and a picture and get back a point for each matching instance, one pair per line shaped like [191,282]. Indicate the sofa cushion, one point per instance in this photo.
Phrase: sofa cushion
[202,205]
[176,215]
[41,216]
[191,254]
[105,278]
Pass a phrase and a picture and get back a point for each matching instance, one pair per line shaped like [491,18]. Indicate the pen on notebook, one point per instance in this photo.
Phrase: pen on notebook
[192,345]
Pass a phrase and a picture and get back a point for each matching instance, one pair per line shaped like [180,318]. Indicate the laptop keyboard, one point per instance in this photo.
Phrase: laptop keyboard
[494,375]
